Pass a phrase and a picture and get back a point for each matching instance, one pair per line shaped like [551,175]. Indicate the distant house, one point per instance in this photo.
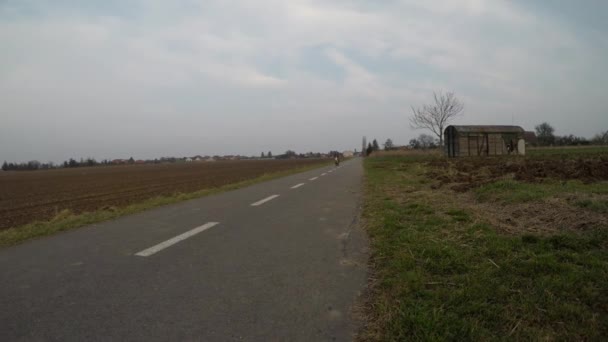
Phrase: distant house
[140,161]
[530,138]
[119,161]
[188,160]
[348,154]
[461,141]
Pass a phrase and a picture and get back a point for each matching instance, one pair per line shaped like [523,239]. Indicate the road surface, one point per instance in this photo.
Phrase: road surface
[283,260]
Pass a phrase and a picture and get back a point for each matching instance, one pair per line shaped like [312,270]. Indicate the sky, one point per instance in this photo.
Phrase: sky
[118,78]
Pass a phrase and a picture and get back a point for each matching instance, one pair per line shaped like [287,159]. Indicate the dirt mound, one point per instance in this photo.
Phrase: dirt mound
[587,170]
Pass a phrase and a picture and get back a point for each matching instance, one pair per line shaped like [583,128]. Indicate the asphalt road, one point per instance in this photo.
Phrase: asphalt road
[245,265]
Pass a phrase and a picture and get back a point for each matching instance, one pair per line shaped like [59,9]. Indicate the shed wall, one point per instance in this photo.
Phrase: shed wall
[464,146]
[480,144]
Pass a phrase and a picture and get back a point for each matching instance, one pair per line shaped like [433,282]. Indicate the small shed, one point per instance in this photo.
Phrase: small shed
[464,141]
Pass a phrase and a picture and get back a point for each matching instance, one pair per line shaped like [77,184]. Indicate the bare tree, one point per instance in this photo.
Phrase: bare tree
[388,145]
[427,141]
[436,116]
[600,138]
[544,134]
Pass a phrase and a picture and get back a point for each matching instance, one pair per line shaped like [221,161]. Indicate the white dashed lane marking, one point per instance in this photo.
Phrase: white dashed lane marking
[168,243]
[260,202]
[173,241]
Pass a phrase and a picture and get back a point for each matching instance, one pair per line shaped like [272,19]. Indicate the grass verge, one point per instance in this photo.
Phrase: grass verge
[66,220]
[568,151]
[441,274]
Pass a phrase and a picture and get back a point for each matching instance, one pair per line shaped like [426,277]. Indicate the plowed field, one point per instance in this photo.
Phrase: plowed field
[469,173]
[39,195]
[535,194]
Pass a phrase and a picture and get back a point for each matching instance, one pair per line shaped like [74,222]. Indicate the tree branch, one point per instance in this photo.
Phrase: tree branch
[434,117]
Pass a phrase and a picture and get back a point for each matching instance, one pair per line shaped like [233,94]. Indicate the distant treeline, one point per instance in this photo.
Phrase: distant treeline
[88,162]
[544,136]
[36,165]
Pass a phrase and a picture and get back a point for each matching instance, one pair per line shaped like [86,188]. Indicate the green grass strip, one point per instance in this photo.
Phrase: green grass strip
[441,275]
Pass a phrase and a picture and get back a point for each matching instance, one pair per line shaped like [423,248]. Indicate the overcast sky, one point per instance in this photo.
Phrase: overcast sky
[114,79]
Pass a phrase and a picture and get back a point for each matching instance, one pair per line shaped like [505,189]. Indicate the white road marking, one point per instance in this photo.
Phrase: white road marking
[173,241]
[323,174]
[313,178]
[297,186]
[269,198]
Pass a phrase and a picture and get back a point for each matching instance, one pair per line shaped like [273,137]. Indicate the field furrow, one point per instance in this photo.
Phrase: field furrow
[40,195]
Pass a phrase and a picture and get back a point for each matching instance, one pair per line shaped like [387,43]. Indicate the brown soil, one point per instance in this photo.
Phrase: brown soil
[28,196]
[467,173]
[544,216]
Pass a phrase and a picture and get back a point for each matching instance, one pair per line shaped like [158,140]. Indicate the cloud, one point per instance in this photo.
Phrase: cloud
[160,68]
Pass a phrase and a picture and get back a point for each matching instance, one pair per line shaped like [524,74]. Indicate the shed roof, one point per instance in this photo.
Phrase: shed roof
[487,129]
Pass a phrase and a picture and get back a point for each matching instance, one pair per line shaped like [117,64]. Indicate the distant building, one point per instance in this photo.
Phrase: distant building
[348,154]
[530,138]
[463,141]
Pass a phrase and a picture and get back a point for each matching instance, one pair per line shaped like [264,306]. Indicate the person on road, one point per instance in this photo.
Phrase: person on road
[337,160]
